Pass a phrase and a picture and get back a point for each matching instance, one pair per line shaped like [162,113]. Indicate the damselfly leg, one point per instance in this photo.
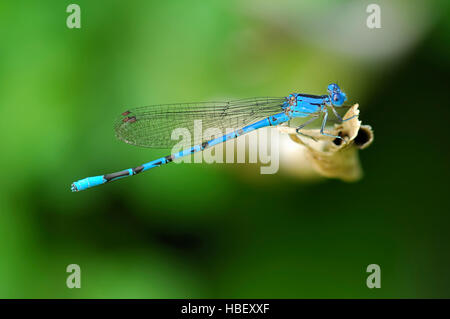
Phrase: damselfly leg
[324,122]
[304,124]
[339,117]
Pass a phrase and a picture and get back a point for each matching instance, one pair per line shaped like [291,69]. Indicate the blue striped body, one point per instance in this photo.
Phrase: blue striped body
[296,105]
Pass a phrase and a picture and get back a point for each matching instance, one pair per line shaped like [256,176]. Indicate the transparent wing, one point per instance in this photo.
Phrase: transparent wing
[152,126]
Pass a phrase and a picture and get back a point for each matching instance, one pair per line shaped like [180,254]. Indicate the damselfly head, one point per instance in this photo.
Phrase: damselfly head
[333,87]
[337,97]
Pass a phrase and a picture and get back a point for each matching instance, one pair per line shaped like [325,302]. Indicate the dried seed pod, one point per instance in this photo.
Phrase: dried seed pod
[332,157]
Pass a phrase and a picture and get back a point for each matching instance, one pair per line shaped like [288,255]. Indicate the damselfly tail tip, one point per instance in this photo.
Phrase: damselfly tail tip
[73,187]
[87,182]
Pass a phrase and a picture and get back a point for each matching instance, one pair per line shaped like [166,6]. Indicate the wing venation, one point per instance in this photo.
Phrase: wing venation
[152,126]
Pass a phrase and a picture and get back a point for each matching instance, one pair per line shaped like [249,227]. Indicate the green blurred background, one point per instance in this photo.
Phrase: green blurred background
[218,231]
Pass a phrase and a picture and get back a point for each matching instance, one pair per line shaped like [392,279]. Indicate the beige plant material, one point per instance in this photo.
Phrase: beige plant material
[332,157]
